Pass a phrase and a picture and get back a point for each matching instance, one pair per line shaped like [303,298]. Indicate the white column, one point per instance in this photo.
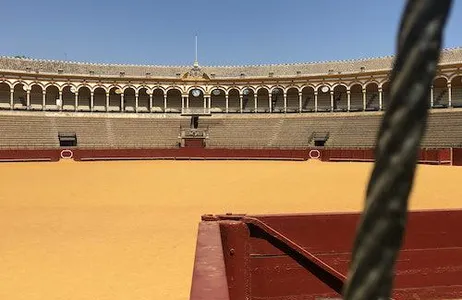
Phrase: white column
[182,102]
[450,95]
[348,100]
[315,101]
[205,102]
[300,103]
[92,101]
[107,101]
[11,98]
[227,103]
[364,99]
[44,99]
[380,98]
[136,102]
[122,102]
[28,98]
[187,101]
[209,102]
[432,96]
[61,100]
[255,100]
[76,100]
[165,102]
[285,102]
[270,102]
[331,100]
[150,102]
[240,103]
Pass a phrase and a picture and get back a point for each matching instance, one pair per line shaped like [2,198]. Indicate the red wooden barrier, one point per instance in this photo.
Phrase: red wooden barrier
[262,265]
[30,155]
[426,156]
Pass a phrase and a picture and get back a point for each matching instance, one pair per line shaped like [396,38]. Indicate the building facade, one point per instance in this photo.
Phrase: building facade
[353,85]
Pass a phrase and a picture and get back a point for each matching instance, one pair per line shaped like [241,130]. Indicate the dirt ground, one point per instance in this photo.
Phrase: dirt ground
[126,230]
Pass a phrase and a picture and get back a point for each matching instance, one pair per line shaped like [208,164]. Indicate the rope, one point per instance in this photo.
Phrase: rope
[381,230]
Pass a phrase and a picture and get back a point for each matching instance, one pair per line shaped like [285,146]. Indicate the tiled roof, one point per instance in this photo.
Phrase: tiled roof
[278,70]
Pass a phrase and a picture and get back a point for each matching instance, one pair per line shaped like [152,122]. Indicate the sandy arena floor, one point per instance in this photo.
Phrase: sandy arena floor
[126,230]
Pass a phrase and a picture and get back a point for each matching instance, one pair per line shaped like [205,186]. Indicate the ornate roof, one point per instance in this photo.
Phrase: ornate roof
[448,56]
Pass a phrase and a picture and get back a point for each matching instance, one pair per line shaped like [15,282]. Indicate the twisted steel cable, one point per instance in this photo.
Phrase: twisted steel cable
[382,226]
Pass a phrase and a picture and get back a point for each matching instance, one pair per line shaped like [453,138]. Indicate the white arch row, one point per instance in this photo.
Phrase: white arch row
[322,96]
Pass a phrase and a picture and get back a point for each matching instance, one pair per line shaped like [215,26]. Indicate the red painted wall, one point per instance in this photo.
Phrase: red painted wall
[428,156]
[30,155]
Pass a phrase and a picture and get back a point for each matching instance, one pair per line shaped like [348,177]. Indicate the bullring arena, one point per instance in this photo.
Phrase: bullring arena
[136,154]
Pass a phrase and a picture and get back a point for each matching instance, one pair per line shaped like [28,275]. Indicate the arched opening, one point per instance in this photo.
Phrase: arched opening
[143,100]
[440,93]
[456,91]
[372,96]
[99,99]
[19,97]
[174,101]
[218,100]
[262,100]
[248,100]
[129,100]
[307,99]
[385,95]
[115,99]
[293,104]
[158,100]
[324,98]
[68,98]
[340,98]
[196,98]
[234,102]
[84,99]
[52,94]
[356,97]
[277,100]
[36,97]
[5,93]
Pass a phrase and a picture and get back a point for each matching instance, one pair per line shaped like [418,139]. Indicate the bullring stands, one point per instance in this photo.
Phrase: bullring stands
[40,130]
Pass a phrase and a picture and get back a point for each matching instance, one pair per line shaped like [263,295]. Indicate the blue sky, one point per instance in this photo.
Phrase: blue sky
[230,32]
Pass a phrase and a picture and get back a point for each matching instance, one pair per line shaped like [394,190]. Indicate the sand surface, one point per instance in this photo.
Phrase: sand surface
[126,230]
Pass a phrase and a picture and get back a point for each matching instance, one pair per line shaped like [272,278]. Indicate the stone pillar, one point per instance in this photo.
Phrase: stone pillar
[255,100]
[209,102]
[76,100]
[44,99]
[107,101]
[285,102]
[364,99]
[240,103]
[150,102]
[348,100]
[227,103]
[315,101]
[136,102]
[270,97]
[331,100]
[182,102]
[92,101]
[449,94]
[432,96]
[11,98]
[28,98]
[205,102]
[122,102]
[380,98]
[300,101]
[165,102]
[187,101]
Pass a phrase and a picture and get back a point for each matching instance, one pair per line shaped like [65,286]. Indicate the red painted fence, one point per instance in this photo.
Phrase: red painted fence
[426,156]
